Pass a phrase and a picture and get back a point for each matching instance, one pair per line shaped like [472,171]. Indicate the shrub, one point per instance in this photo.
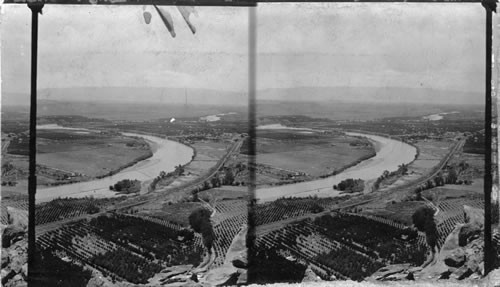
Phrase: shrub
[200,222]
[351,185]
[423,219]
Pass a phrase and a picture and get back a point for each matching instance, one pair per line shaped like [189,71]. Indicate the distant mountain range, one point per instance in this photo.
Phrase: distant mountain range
[131,95]
[372,95]
[227,98]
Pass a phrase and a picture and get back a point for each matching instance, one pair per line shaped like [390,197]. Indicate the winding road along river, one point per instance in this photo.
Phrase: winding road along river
[166,155]
[390,154]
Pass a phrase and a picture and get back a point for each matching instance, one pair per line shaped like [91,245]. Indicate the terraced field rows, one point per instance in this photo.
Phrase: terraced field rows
[164,222]
[282,239]
[123,254]
[451,213]
[225,231]
[61,209]
[323,246]
[456,206]
[395,224]
[229,208]
[69,239]
[284,208]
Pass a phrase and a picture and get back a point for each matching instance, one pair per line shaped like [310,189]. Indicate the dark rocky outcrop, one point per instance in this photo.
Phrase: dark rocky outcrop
[396,272]
[15,249]
[467,233]
[460,257]
[241,260]
[456,258]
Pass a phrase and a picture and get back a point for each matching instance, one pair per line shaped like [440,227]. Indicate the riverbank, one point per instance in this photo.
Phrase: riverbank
[391,154]
[286,156]
[167,156]
[110,173]
[69,155]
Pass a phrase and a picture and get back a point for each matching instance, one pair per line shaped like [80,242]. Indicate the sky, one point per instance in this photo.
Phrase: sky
[112,46]
[437,46]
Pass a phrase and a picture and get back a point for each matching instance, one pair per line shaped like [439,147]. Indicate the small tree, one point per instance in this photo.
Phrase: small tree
[206,185]
[199,220]
[423,220]
[419,195]
[215,181]
[452,176]
[228,177]
[385,174]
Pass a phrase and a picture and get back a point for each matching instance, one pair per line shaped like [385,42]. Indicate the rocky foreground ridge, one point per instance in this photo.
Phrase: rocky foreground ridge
[460,259]
[15,248]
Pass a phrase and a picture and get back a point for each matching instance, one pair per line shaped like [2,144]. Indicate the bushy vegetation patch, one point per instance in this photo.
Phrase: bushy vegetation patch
[350,185]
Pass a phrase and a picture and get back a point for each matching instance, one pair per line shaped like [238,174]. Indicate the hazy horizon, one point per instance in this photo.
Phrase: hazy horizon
[166,95]
[316,46]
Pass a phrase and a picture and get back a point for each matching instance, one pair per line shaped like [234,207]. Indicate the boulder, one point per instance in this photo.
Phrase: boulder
[173,274]
[223,275]
[474,216]
[461,273]
[176,270]
[391,272]
[399,277]
[6,275]
[18,256]
[456,258]
[17,217]
[452,240]
[240,260]
[310,276]
[438,267]
[17,264]
[99,281]
[475,257]
[15,249]
[24,270]
[468,232]
[17,278]
[243,278]
[493,278]
[11,235]
[446,274]
[5,258]
[474,223]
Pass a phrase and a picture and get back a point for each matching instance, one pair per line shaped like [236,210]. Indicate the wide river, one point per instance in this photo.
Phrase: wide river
[167,155]
[390,154]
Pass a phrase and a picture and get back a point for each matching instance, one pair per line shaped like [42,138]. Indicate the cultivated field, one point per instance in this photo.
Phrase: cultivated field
[208,153]
[89,154]
[431,152]
[124,247]
[68,156]
[309,153]
[342,246]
